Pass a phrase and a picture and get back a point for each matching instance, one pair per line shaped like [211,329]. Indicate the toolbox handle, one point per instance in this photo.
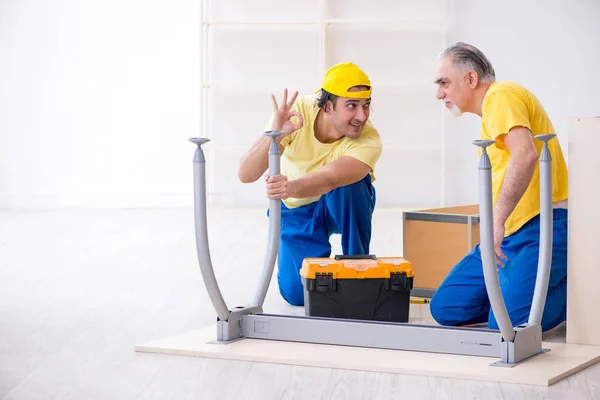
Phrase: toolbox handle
[339,257]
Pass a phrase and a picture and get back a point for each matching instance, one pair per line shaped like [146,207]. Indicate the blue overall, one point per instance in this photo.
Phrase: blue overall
[462,298]
[306,231]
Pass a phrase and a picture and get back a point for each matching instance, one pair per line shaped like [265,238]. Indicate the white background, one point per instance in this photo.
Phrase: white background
[98,98]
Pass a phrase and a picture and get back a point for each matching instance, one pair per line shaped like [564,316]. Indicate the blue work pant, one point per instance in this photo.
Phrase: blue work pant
[306,231]
[462,297]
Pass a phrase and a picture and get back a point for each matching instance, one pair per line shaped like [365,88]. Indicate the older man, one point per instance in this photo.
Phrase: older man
[512,116]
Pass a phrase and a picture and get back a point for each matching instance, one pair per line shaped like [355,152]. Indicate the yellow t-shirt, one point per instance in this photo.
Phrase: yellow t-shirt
[506,105]
[303,154]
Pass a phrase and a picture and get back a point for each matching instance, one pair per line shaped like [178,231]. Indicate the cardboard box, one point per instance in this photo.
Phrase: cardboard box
[435,240]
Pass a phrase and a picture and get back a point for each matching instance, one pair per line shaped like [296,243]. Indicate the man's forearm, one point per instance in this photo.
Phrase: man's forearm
[342,172]
[313,185]
[256,161]
[518,176]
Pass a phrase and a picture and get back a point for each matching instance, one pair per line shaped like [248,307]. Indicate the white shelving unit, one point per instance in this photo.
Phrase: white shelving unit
[252,49]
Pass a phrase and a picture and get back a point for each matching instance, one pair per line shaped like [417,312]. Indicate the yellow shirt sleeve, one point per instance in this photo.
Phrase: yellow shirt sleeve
[508,105]
[366,149]
[502,111]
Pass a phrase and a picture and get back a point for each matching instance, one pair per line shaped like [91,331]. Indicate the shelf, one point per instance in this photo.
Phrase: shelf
[407,115]
[262,10]
[358,24]
[411,148]
[404,115]
[261,58]
[407,175]
[408,89]
[384,9]
[261,23]
[428,25]
[412,56]
[421,87]
[261,90]
[254,49]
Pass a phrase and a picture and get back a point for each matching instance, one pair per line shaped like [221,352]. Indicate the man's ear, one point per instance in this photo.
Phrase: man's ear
[329,107]
[472,79]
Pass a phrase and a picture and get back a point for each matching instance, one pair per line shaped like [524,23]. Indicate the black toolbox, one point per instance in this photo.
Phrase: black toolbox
[364,287]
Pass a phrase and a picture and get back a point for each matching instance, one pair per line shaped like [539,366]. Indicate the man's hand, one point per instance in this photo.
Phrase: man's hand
[499,230]
[283,114]
[256,160]
[278,187]
[344,171]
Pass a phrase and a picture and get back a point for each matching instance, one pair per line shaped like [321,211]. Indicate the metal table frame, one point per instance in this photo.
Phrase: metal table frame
[509,345]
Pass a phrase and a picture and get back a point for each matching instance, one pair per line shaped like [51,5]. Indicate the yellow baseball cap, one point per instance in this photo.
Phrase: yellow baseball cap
[342,77]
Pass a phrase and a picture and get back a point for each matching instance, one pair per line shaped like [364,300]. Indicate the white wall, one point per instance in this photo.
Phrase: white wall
[97,99]
[549,46]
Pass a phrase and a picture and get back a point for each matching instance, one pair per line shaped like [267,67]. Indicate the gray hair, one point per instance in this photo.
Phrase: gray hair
[469,57]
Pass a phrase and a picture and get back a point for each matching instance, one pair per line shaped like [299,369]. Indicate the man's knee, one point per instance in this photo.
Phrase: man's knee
[439,310]
[436,308]
[292,295]
[291,289]
[554,314]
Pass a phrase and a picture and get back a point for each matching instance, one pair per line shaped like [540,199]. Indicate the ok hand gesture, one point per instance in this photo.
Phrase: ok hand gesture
[282,115]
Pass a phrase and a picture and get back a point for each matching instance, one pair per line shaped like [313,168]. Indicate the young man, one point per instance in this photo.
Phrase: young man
[511,115]
[329,150]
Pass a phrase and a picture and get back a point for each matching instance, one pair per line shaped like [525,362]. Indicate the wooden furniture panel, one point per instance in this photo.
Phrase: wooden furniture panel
[583,296]
[435,240]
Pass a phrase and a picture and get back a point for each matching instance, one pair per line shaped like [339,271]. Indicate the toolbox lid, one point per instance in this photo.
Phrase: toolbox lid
[356,267]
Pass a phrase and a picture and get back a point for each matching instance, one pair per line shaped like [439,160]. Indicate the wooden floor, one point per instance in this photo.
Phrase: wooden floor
[81,288]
